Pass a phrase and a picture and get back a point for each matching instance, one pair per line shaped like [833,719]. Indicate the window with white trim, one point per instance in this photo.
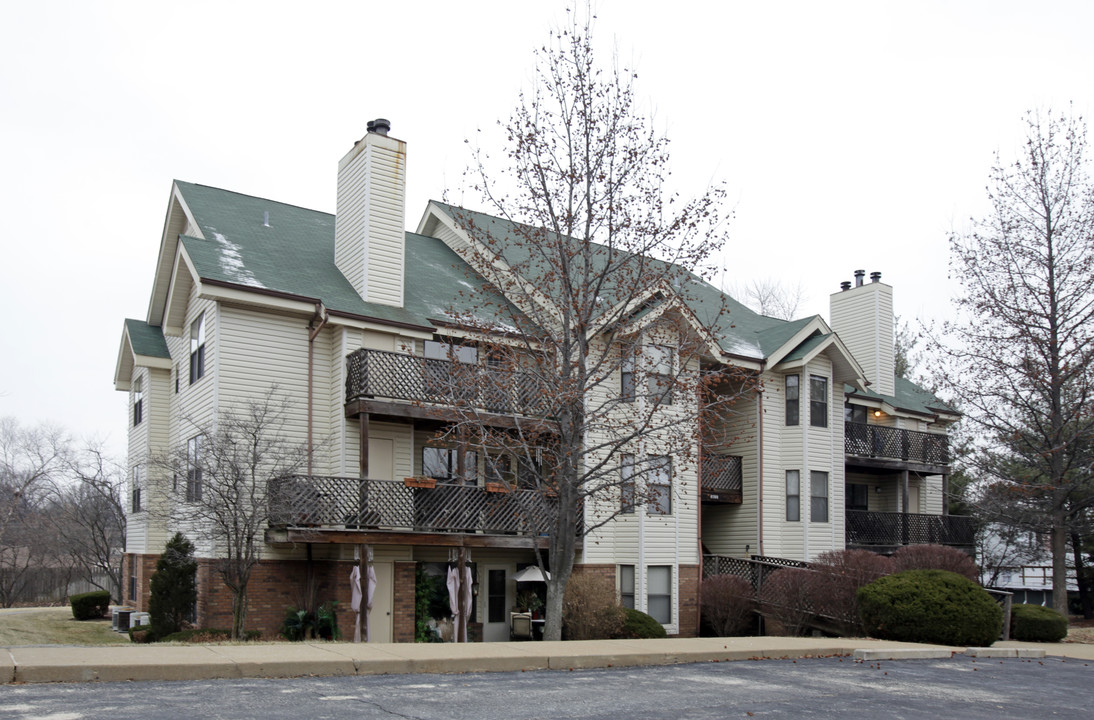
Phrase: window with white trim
[626,487]
[197,349]
[818,496]
[138,401]
[659,485]
[193,469]
[793,391]
[660,372]
[626,375]
[135,503]
[442,463]
[793,496]
[818,401]
[626,586]
[659,593]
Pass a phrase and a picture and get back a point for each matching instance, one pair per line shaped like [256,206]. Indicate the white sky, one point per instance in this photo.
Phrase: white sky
[852,135]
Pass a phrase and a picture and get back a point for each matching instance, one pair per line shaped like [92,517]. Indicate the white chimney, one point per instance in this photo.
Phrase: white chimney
[863,318]
[369,239]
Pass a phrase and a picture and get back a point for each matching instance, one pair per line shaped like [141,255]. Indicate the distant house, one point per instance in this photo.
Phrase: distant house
[349,316]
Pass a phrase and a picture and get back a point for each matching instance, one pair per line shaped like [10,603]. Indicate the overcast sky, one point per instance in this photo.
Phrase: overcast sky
[851,135]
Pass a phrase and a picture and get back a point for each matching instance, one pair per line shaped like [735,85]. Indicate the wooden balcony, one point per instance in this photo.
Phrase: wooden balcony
[894,447]
[880,530]
[721,479]
[356,505]
[422,381]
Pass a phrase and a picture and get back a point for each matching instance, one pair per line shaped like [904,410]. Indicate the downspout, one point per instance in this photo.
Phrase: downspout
[760,471]
[313,332]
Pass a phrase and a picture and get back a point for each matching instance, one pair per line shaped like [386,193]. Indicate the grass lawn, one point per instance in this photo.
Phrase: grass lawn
[54,626]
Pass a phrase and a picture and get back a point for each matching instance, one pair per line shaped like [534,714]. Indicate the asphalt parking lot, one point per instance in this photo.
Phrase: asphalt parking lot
[960,687]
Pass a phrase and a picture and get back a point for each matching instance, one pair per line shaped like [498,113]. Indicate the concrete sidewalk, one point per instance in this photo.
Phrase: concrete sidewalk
[199,662]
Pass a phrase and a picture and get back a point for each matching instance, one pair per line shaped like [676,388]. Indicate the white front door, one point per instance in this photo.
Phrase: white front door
[380,617]
[497,597]
[381,458]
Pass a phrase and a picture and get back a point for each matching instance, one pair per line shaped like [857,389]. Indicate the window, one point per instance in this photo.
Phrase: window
[197,349]
[136,489]
[818,499]
[659,484]
[659,373]
[626,586]
[854,413]
[443,464]
[193,469]
[792,390]
[858,497]
[444,378]
[138,402]
[793,496]
[659,593]
[499,469]
[626,487]
[626,375]
[818,401]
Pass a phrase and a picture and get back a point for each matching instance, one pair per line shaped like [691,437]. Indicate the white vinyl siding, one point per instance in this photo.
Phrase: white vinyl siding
[863,318]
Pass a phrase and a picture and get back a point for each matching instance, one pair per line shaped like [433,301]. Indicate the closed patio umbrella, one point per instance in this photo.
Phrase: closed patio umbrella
[532,573]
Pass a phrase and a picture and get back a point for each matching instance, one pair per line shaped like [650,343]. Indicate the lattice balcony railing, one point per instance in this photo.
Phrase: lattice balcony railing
[894,528]
[354,503]
[880,441]
[722,475]
[397,376]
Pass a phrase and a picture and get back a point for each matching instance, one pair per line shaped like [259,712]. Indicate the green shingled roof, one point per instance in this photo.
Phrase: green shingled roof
[294,254]
[146,339]
[907,396]
[739,330]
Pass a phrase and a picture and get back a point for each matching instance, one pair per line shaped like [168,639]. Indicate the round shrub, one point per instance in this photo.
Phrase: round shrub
[930,606]
[727,605]
[1034,623]
[637,625]
[90,605]
[936,557]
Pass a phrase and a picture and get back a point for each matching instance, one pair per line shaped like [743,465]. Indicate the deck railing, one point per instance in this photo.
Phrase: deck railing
[880,441]
[397,376]
[894,528]
[722,478]
[364,504]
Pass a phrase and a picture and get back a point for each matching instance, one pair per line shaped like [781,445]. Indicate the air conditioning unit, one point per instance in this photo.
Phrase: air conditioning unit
[140,619]
[120,618]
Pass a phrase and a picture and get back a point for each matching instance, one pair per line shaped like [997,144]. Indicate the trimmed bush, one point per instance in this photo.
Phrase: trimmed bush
[90,605]
[590,609]
[173,587]
[637,625]
[786,597]
[936,557]
[143,634]
[930,606]
[1033,623]
[727,605]
[834,585]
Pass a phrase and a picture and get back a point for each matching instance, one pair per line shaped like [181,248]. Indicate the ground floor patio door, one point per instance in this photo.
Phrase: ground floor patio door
[500,598]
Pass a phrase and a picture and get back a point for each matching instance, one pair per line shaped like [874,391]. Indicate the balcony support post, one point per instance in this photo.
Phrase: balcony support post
[904,507]
[945,494]
[363,421]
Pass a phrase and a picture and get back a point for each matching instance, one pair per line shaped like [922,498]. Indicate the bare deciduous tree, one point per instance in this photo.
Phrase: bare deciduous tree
[1018,359]
[224,475]
[592,262]
[770,297]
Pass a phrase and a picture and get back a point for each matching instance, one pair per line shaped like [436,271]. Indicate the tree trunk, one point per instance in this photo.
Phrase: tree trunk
[1059,564]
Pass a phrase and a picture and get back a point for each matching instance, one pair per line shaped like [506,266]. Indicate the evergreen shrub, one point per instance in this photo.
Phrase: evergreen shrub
[930,606]
[1033,623]
[173,587]
[90,605]
[637,625]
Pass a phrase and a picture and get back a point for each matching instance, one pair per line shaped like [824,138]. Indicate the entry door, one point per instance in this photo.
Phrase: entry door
[500,598]
[381,458]
[913,498]
[380,617]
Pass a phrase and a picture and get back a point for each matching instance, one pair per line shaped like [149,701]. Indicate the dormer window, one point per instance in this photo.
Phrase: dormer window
[138,402]
[197,349]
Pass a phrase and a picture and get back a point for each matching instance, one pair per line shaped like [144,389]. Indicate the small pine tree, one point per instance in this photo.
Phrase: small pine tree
[174,586]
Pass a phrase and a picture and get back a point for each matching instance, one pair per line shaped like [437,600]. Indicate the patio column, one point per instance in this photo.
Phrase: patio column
[363,421]
[945,494]
[904,507]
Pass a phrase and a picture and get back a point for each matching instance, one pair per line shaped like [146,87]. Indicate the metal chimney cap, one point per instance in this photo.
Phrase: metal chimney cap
[379,126]
[845,285]
[875,277]
[859,274]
